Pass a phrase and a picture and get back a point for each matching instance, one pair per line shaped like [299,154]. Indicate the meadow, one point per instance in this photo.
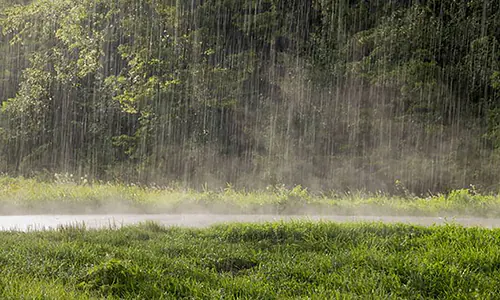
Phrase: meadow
[295,260]
[68,195]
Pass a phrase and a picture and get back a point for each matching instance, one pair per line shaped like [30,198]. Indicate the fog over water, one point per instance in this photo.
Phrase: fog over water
[47,222]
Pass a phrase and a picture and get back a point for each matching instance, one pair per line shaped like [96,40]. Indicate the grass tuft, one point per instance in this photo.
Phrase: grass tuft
[112,277]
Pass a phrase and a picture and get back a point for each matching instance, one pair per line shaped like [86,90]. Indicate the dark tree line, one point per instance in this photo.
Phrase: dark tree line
[344,94]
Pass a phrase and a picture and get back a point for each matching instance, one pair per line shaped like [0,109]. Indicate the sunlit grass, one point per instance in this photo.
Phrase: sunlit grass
[68,195]
[252,261]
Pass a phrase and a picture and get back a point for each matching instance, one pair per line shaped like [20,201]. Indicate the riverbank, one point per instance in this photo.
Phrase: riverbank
[30,196]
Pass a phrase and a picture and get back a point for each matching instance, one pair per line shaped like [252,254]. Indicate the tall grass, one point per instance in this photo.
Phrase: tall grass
[76,196]
[252,261]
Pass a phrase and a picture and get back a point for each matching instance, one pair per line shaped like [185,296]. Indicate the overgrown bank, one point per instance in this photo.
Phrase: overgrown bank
[265,261]
[68,195]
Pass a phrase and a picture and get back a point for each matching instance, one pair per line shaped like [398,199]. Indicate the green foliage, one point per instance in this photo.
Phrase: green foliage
[495,80]
[318,93]
[493,133]
[71,194]
[113,277]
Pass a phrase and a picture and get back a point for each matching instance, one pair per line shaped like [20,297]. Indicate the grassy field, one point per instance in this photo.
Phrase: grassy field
[252,261]
[77,196]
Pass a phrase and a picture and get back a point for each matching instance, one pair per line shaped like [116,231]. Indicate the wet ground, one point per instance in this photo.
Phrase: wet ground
[38,222]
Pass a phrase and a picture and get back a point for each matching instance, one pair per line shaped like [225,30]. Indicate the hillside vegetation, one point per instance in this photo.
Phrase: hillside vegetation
[328,94]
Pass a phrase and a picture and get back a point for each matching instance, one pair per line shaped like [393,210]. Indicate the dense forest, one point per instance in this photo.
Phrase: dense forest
[377,95]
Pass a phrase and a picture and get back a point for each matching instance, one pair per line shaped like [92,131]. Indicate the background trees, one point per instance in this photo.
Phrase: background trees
[328,94]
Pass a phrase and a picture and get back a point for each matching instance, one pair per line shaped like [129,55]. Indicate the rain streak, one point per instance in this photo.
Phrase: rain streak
[380,96]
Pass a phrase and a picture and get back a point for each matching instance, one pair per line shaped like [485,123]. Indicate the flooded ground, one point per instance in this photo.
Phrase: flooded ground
[39,222]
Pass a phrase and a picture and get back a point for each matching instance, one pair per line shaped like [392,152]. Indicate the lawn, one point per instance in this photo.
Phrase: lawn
[299,260]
